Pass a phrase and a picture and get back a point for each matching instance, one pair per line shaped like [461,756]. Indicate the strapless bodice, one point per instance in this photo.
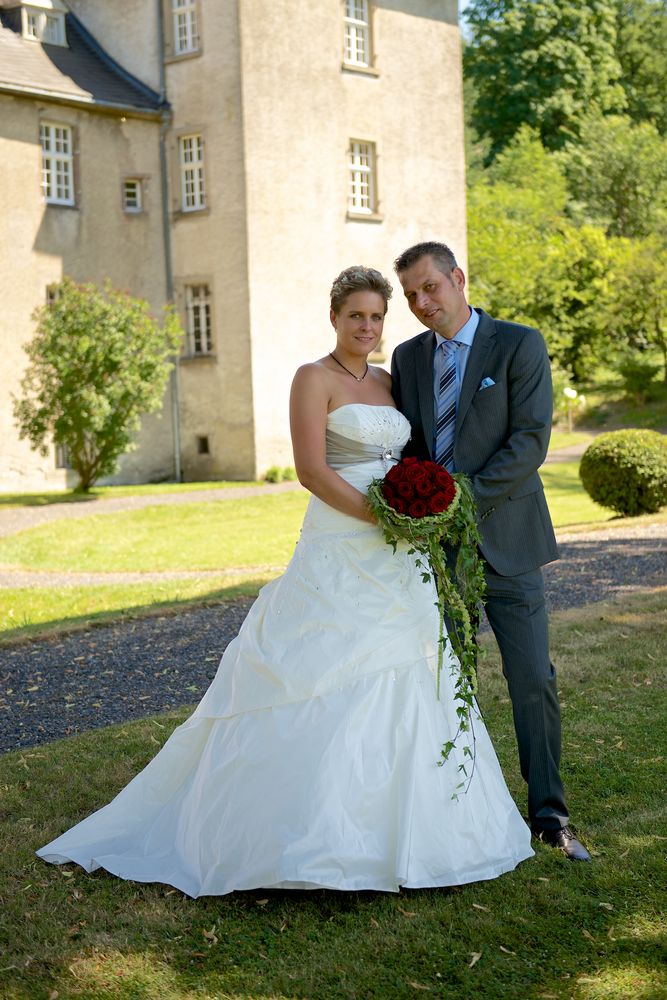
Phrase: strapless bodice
[361,432]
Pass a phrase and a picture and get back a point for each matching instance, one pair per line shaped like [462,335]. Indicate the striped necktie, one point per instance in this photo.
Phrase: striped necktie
[446,407]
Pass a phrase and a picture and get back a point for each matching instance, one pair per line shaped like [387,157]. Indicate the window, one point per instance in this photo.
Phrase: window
[191,156]
[357,33]
[186,36]
[361,198]
[203,446]
[57,163]
[198,318]
[63,459]
[132,195]
[42,26]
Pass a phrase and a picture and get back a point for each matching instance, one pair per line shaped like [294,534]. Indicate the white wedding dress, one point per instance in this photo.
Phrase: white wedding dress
[311,760]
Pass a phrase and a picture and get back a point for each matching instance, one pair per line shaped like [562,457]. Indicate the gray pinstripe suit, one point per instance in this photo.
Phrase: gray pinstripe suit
[502,436]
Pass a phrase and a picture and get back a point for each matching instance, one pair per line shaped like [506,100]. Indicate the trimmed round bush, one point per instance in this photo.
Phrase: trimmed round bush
[627,471]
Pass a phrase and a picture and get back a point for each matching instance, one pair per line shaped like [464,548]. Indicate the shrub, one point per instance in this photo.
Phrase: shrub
[289,474]
[97,363]
[627,471]
[637,375]
[273,475]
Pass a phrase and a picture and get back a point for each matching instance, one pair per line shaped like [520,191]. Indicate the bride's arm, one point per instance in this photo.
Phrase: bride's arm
[309,402]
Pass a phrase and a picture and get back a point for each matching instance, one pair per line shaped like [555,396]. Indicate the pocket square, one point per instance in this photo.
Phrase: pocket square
[486,383]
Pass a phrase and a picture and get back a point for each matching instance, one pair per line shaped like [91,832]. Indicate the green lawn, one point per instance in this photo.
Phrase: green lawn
[551,929]
[568,501]
[216,535]
[43,498]
[609,409]
[31,611]
[247,541]
[567,439]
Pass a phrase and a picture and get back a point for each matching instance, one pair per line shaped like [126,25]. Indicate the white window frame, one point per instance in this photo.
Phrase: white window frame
[191,169]
[198,322]
[185,26]
[57,142]
[62,457]
[362,182]
[128,206]
[42,26]
[357,23]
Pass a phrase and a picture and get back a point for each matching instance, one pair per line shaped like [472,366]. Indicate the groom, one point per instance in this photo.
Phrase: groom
[477,392]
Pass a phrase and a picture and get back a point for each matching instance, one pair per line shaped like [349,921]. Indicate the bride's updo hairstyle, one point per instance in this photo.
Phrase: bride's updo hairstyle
[358,279]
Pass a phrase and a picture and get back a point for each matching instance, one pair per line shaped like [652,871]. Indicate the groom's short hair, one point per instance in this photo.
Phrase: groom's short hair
[443,258]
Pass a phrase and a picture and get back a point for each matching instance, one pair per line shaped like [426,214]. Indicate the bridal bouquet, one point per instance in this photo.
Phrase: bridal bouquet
[419,502]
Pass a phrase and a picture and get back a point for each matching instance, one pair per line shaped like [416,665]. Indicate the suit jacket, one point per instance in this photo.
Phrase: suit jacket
[501,438]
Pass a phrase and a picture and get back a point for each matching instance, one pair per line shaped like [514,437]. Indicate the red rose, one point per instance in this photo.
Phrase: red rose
[405,490]
[396,473]
[423,487]
[443,478]
[409,461]
[400,506]
[418,508]
[389,493]
[439,502]
[414,474]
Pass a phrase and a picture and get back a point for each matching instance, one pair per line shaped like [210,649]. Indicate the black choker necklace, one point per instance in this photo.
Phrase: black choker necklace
[359,378]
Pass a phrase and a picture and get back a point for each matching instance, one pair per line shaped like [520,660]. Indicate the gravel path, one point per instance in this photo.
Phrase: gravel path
[51,688]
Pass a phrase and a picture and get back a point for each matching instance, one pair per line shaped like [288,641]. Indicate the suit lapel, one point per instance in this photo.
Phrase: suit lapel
[424,364]
[484,335]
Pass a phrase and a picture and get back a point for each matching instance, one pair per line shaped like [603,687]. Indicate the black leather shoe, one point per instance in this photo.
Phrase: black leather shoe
[565,841]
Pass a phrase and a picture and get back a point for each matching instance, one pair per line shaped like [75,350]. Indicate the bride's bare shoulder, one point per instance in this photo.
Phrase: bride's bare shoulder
[381,374]
[312,373]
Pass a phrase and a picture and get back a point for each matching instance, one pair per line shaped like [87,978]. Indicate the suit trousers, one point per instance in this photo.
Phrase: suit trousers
[516,610]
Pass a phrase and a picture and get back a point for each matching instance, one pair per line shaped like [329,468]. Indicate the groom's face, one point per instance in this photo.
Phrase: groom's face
[437,300]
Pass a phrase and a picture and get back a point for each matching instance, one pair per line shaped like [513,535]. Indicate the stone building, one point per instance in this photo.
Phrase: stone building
[236,155]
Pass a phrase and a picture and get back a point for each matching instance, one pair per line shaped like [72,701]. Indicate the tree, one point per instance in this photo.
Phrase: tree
[513,214]
[544,63]
[578,271]
[97,362]
[617,175]
[641,48]
[529,264]
[638,309]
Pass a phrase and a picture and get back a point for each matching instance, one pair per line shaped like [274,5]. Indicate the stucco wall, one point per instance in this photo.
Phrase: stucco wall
[215,392]
[268,93]
[300,111]
[92,242]
[127,31]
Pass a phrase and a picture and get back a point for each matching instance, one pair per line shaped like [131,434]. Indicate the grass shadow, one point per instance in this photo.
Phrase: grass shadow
[67,625]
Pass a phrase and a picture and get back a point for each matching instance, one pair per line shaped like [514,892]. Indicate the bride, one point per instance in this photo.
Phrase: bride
[311,760]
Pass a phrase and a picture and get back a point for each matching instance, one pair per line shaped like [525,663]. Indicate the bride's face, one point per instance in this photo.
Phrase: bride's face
[359,323]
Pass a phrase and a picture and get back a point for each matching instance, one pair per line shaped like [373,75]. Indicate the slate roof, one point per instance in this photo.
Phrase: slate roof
[81,72]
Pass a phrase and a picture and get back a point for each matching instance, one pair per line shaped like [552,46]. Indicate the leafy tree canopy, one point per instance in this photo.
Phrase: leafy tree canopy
[97,362]
[638,308]
[511,215]
[641,48]
[617,175]
[544,63]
